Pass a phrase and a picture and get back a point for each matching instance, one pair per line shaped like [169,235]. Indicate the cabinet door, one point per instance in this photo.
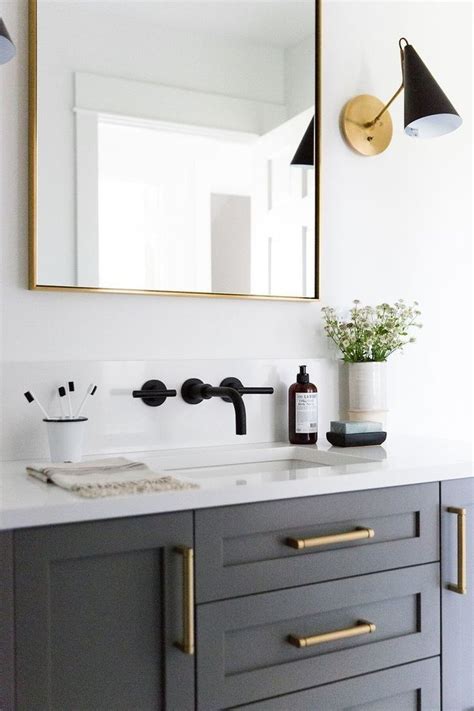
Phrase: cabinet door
[345,628]
[457,607]
[98,613]
[411,687]
[6,622]
[245,549]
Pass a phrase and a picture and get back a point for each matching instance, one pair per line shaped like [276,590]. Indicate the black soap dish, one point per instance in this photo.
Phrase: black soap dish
[361,439]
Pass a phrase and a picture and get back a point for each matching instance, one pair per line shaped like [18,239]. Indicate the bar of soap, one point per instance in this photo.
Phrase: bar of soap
[345,427]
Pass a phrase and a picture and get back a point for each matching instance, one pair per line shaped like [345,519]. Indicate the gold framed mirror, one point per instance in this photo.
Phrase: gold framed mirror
[161,141]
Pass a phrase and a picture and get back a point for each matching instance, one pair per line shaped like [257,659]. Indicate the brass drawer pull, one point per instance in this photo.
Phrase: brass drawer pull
[356,535]
[362,627]
[187,645]
[461,586]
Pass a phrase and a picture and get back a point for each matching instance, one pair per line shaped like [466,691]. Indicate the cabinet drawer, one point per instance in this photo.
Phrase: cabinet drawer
[412,687]
[244,653]
[244,549]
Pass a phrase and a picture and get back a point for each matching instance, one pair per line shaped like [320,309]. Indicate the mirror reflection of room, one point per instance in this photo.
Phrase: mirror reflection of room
[164,151]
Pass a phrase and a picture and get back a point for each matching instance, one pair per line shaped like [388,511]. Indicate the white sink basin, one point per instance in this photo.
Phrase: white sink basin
[253,465]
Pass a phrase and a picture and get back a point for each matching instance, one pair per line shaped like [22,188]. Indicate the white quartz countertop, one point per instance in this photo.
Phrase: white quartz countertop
[26,502]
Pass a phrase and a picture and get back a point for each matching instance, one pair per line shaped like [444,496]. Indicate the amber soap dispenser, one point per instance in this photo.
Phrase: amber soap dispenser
[303,410]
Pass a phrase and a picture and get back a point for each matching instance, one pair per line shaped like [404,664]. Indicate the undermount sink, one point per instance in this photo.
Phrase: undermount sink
[261,464]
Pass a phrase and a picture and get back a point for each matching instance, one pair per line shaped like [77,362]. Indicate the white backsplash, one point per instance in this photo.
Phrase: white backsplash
[119,423]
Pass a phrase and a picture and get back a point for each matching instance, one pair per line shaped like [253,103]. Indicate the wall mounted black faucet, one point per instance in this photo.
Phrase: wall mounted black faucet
[242,390]
[231,390]
[153,393]
[195,391]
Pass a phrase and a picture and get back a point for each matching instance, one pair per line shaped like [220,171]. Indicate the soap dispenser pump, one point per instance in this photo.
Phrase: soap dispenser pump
[303,410]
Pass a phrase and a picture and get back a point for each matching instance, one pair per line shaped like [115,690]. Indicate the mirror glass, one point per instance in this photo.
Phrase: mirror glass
[165,134]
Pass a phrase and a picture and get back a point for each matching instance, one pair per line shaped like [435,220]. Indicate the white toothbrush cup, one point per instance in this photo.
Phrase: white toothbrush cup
[65,438]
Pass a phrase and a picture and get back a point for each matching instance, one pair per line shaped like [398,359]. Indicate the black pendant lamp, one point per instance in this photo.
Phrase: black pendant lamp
[367,125]
[7,48]
[305,153]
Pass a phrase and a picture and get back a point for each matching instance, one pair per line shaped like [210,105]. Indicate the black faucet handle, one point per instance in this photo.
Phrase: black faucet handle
[236,384]
[153,393]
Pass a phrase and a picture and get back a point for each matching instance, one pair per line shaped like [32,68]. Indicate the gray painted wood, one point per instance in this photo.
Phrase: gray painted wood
[241,550]
[411,687]
[457,610]
[7,666]
[98,610]
[243,649]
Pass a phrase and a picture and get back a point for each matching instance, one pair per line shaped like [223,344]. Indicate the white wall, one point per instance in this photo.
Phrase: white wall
[400,224]
[395,225]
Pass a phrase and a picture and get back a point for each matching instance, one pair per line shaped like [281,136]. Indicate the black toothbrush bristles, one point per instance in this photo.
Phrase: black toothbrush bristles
[31,398]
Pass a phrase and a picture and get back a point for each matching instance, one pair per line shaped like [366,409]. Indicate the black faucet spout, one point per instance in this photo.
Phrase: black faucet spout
[195,391]
[236,399]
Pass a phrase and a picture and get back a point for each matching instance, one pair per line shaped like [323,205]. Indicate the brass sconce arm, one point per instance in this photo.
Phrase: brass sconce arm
[386,107]
[399,90]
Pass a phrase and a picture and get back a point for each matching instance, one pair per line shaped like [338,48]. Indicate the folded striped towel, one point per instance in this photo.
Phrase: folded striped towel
[107,477]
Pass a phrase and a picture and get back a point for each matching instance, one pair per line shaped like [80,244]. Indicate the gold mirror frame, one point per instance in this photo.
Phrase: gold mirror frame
[33,183]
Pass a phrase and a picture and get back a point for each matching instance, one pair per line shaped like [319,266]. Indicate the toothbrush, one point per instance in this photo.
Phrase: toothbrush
[90,391]
[61,393]
[70,390]
[31,398]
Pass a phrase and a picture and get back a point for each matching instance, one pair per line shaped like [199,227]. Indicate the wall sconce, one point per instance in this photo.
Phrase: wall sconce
[305,153]
[367,125]
[7,48]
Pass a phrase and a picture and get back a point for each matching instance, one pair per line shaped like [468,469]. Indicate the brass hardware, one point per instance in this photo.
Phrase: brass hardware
[356,535]
[187,644]
[387,106]
[361,119]
[33,185]
[461,586]
[361,132]
[361,627]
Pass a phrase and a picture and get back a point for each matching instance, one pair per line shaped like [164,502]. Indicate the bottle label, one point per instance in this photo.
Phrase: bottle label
[306,413]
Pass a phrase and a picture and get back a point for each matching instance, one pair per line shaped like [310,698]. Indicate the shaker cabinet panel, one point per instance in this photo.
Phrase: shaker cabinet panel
[98,609]
[7,662]
[247,549]
[246,646]
[411,687]
[457,597]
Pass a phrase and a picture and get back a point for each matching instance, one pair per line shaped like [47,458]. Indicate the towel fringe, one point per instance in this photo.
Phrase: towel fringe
[116,488]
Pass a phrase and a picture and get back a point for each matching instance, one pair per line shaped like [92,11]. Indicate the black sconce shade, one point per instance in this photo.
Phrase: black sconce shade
[7,48]
[428,111]
[305,153]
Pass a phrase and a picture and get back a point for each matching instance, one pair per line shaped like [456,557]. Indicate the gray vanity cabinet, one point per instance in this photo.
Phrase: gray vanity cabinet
[245,653]
[7,647]
[457,597]
[411,687]
[98,612]
[247,549]
[303,604]
[324,602]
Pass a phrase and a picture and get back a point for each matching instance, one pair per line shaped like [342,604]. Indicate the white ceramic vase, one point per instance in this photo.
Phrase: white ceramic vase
[367,391]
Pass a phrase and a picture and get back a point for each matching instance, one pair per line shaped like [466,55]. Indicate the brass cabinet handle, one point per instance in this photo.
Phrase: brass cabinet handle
[461,586]
[362,627]
[187,644]
[356,535]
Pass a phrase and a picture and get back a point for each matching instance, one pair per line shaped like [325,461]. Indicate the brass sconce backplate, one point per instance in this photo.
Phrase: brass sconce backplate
[357,125]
